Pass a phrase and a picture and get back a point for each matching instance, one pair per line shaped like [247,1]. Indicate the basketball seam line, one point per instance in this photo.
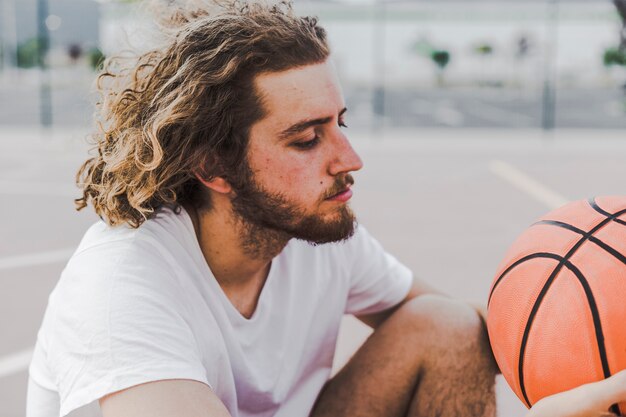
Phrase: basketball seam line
[594,205]
[595,313]
[513,265]
[529,322]
[592,202]
[596,316]
[593,239]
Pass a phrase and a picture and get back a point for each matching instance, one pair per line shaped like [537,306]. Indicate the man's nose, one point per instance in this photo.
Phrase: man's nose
[345,159]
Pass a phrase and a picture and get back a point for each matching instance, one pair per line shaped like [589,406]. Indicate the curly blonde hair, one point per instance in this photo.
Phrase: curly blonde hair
[186,108]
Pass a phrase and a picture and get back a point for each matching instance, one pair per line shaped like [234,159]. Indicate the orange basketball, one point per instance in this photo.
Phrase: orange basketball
[557,306]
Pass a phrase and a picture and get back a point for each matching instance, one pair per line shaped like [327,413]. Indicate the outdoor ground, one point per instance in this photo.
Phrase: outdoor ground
[447,203]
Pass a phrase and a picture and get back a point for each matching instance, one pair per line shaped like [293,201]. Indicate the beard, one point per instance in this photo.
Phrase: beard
[270,219]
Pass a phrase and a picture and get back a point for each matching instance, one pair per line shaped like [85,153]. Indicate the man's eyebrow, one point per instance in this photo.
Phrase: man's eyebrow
[304,125]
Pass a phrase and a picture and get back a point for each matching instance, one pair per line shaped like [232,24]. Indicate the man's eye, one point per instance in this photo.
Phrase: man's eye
[308,144]
[342,123]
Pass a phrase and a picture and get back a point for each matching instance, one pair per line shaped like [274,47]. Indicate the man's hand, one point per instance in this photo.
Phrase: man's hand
[590,400]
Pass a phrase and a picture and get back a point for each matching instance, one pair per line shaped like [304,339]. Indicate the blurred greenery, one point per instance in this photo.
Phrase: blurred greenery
[28,53]
[422,47]
[440,57]
[614,56]
[484,49]
[95,58]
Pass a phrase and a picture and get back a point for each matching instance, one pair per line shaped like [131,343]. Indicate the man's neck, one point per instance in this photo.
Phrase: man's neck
[238,254]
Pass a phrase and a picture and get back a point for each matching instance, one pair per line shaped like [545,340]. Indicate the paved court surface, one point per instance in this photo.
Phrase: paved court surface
[446,203]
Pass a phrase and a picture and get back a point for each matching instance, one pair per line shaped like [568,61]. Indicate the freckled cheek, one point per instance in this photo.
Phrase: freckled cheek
[297,179]
[304,184]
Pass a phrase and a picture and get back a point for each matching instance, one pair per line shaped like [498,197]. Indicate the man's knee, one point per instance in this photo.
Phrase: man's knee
[451,335]
[454,366]
[442,319]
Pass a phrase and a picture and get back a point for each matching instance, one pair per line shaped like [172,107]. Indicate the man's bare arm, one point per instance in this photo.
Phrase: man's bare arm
[418,288]
[167,398]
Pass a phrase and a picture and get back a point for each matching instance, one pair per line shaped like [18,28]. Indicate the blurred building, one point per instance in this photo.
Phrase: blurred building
[496,42]
[426,63]
[71,24]
[491,42]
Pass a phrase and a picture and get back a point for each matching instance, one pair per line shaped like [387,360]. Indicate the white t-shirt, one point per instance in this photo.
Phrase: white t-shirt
[140,305]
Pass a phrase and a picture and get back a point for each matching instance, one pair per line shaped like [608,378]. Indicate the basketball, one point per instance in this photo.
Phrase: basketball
[557,306]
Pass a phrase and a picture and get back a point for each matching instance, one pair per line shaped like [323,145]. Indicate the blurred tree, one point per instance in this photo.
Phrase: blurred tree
[28,53]
[441,58]
[484,49]
[621,9]
[614,56]
[95,57]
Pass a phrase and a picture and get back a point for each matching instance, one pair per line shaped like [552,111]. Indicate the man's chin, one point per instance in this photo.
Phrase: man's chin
[321,240]
[317,232]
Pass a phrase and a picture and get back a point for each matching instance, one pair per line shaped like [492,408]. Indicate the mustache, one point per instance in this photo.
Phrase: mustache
[339,186]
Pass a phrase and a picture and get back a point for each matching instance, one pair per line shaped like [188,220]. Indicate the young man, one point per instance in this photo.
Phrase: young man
[228,253]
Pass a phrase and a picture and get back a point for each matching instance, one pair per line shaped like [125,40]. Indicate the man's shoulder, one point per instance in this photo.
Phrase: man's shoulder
[167,230]
[121,263]
[150,254]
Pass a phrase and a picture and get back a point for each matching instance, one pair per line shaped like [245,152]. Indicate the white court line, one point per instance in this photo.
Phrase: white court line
[38,258]
[527,184]
[15,362]
[38,188]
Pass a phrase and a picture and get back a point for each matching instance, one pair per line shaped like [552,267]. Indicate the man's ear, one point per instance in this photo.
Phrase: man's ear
[217,184]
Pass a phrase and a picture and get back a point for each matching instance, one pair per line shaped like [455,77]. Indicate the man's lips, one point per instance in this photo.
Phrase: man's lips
[342,196]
